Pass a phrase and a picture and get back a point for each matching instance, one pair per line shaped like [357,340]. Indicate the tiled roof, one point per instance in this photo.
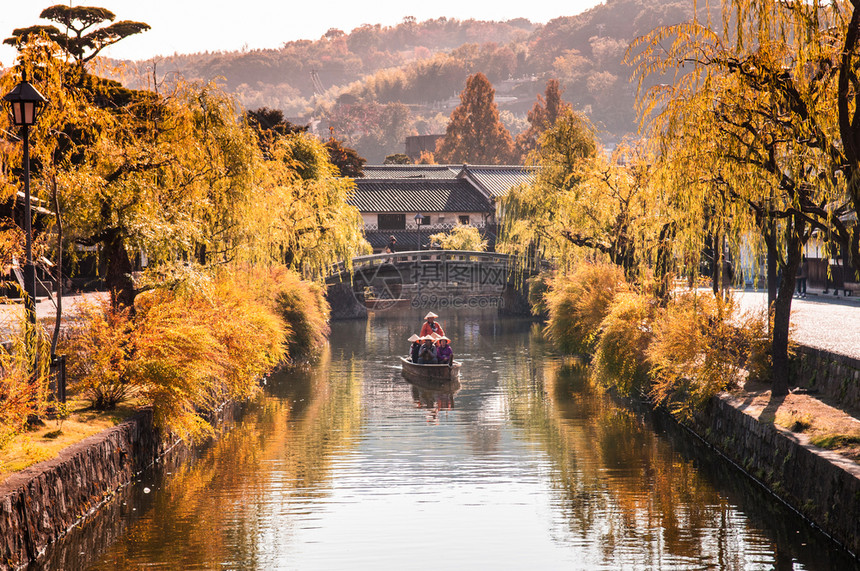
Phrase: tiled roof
[497,180]
[409,171]
[418,195]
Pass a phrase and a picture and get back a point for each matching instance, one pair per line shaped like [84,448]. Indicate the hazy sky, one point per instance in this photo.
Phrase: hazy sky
[187,26]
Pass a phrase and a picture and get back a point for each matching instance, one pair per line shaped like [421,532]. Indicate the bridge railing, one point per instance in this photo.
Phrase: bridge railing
[400,258]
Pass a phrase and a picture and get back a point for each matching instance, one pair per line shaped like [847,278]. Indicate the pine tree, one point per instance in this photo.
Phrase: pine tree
[475,133]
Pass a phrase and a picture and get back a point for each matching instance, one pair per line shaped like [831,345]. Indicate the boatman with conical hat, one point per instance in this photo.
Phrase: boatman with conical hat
[431,326]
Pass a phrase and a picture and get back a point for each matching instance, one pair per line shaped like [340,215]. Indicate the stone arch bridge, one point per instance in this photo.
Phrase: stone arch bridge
[452,279]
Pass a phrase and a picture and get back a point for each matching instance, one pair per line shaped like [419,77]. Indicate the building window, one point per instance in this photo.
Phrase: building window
[425,220]
[392,221]
[463,218]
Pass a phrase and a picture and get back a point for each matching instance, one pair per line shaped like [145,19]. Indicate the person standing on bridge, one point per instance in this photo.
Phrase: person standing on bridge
[392,245]
[430,326]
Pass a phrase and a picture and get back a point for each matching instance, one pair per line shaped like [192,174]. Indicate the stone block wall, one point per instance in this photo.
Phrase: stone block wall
[834,375]
[821,485]
[43,502]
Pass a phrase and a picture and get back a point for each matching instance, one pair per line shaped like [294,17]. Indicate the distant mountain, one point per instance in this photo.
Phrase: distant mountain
[377,84]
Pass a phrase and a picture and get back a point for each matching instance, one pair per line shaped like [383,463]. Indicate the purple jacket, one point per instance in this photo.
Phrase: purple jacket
[444,353]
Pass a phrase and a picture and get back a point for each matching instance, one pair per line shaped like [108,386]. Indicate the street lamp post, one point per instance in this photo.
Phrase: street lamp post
[418,219]
[25,102]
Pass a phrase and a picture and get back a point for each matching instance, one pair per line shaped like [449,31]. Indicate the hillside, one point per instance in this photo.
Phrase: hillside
[374,85]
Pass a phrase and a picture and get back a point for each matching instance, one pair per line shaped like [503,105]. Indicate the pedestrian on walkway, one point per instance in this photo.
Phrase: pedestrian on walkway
[802,274]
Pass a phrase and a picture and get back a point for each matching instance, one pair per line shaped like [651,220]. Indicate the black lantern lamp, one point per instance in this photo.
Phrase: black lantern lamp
[26,102]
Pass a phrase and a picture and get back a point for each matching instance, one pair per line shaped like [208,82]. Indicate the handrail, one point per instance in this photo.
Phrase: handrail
[422,255]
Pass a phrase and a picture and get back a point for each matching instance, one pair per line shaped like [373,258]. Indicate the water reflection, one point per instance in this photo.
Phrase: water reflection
[523,465]
[434,397]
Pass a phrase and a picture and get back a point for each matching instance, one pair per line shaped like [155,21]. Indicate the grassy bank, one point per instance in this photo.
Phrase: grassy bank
[193,340]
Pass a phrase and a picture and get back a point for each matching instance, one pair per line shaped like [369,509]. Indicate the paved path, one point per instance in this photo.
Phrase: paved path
[820,320]
[12,313]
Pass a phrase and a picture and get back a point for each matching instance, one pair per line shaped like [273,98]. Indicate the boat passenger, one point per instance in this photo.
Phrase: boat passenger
[444,354]
[427,354]
[415,348]
[431,326]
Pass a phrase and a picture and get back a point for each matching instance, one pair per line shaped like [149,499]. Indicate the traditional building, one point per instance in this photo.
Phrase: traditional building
[392,200]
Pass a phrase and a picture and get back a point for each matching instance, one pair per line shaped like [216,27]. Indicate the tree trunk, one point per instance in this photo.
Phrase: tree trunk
[662,264]
[717,267]
[781,323]
[782,310]
[772,274]
[118,272]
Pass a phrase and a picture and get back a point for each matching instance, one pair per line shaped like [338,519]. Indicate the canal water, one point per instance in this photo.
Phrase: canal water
[524,466]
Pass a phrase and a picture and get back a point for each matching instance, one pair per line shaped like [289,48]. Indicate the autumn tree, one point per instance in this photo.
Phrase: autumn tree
[542,116]
[475,134]
[750,134]
[346,159]
[302,202]
[581,204]
[78,39]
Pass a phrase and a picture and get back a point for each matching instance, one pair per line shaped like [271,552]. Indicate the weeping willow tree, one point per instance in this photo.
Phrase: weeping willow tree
[179,177]
[302,200]
[748,133]
[582,204]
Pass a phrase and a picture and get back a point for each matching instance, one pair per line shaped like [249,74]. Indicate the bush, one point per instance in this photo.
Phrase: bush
[700,347]
[23,381]
[185,351]
[625,334]
[300,304]
[461,237]
[538,286]
[579,302]
[98,343]
[304,310]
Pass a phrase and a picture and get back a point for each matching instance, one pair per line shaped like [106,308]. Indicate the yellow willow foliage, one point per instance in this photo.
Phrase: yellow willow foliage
[583,205]
[748,133]
[300,304]
[179,175]
[461,237]
[24,378]
[701,344]
[302,205]
[578,303]
[625,333]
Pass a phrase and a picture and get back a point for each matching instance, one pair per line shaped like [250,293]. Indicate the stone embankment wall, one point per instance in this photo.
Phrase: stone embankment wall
[836,376]
[821,485]
[42,503]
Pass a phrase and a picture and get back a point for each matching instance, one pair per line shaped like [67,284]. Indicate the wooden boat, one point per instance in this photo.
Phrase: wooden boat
[435,373]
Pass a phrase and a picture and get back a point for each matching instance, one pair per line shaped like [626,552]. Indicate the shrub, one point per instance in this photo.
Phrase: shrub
[625,333]
[538,286]
[24,378]
[303,308]
[186,350]
[579,302]
[461,237]
[98,343]
[300,304]
[700,347]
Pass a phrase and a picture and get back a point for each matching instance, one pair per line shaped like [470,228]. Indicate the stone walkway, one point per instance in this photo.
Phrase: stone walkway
[12,313]
[822,321]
